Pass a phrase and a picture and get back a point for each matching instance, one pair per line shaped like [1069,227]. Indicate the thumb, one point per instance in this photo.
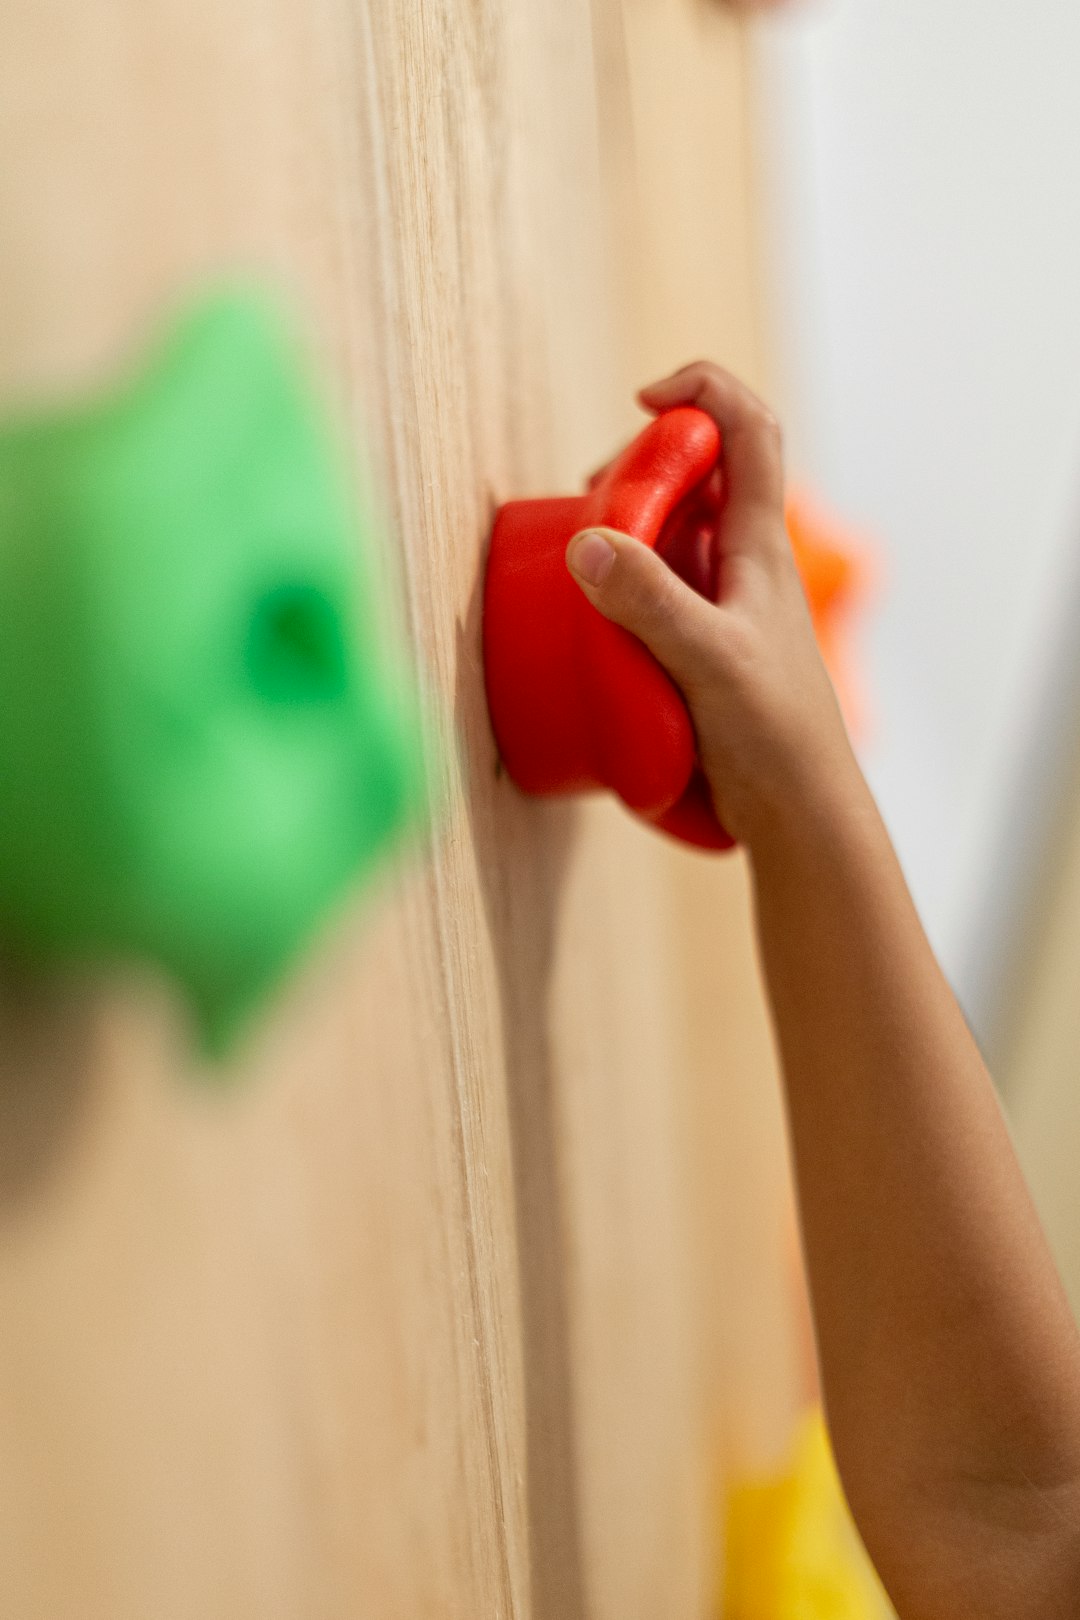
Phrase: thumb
[633,587]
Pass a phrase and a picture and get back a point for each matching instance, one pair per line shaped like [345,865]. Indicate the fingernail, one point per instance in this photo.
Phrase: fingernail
[590,557]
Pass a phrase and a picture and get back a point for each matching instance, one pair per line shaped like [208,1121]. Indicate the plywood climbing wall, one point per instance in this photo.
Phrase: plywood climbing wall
[1040,1039]
[447,1296]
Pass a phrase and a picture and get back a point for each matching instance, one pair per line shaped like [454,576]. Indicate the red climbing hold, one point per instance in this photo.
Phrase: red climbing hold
[577,703]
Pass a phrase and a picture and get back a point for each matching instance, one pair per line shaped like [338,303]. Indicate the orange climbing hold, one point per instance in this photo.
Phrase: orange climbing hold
[835,572]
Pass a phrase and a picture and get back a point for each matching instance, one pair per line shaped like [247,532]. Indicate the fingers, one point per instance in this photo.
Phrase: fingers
[635,588]
[752,448]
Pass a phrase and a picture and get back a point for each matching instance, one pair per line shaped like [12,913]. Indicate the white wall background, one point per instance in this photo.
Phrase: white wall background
[922,167]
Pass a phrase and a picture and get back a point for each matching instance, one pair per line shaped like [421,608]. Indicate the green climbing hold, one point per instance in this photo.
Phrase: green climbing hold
[204,740]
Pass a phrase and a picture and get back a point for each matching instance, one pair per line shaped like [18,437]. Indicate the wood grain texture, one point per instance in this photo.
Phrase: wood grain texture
[1040,1055]
[679,162]
[403,1316]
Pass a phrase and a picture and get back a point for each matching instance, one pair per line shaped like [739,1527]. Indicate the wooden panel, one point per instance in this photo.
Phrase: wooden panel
[1040,1058]
[679,163]
[403,1319]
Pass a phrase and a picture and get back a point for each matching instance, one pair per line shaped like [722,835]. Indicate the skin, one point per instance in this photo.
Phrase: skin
[950,1361]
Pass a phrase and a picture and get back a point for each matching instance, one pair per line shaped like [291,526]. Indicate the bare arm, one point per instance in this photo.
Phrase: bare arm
[950,1361]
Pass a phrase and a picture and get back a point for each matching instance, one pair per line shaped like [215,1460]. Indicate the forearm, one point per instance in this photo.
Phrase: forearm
[950,1362]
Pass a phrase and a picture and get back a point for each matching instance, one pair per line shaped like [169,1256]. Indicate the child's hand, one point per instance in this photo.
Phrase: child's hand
[949,1355]
[770,734]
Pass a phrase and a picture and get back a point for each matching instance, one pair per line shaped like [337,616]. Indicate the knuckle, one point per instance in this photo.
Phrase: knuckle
[709,385]
[649,597]
[739,655]
[767,425]
[739,649]
[665,609]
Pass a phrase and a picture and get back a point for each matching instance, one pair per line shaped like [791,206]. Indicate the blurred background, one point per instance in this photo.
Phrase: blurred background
[470,1285]
[921,198]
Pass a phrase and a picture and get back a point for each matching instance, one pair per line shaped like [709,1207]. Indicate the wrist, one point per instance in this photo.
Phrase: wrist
[822,809]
